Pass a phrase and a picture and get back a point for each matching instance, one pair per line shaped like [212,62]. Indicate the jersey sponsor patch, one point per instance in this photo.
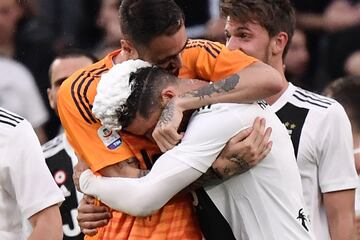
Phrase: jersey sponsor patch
[111,139]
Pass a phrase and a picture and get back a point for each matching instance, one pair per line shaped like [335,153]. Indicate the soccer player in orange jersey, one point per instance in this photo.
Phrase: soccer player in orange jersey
[154,31]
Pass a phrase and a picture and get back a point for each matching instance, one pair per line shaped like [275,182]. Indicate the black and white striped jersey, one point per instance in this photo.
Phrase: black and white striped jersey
[26,185]
[9,119]
[60,159]
[321,134]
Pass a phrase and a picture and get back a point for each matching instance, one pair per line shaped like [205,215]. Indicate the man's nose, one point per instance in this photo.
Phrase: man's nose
[232,44]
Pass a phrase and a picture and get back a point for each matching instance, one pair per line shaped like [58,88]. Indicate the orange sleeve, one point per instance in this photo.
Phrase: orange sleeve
[212,61]
[99,147]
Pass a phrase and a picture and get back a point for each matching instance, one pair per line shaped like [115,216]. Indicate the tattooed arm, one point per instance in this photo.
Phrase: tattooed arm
[129,168]
[240,87]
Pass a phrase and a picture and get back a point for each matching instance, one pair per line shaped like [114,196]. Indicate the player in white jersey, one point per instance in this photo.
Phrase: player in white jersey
[28,193]
[260,204]
[346,91]
[319,127]
[59,155]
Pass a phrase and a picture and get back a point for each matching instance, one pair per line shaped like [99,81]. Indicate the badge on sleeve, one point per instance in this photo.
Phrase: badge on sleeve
[111,139]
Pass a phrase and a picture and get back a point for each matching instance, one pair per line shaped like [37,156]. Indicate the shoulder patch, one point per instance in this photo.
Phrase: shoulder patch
[111,139]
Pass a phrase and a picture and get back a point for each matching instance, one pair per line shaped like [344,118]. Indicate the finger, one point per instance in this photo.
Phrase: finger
[89,232]
[265,139]
[93,224]
[93,217]
[163,142]
[171,135]
[260,136]
[241,135]
[158,139]
[88,199]
[88,208]
[255,131]
[266,151]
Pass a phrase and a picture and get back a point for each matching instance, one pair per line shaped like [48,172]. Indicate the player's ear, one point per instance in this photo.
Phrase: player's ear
[167,94]
[51,98]
[279,43]
[128,49]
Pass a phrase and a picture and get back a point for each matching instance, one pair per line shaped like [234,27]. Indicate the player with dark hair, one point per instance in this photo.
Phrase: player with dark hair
[319,127]
[59,155]
[258,204]
[237,77]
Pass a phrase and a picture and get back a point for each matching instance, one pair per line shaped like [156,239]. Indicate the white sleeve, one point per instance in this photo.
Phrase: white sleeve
[34,187]
[335,147]
[172,172]
[166,178]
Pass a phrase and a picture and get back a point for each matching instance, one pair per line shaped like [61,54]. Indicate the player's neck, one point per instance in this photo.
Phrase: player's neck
[7,49]
[278,65]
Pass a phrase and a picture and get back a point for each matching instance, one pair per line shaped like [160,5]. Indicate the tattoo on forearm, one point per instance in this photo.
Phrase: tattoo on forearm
[167,114]
[219,87]
[210,175]
[143,173]
[131,161]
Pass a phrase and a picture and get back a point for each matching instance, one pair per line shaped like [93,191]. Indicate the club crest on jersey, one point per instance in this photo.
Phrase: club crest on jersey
[111,139]
[290,127]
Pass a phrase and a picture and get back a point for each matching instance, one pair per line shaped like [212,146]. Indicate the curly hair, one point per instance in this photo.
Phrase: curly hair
[146,85]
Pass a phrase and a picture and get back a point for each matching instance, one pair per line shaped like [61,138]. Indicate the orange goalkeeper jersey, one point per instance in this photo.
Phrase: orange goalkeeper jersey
[100,147]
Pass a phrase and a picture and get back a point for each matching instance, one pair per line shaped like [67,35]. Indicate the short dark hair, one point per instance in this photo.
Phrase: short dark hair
[143,20]
[72,53]
[346,91]
[146,85]
[274,15]
[75,52]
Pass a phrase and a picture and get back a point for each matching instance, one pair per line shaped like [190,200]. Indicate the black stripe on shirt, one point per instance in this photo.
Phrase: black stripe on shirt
[314,98]
[87,88]
[81,78]
[213,47]
[309,101]
[12,115]
[8,123]
[203,44]
[9,118]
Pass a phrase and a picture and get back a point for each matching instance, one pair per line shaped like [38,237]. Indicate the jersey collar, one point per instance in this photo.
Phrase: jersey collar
[284,98]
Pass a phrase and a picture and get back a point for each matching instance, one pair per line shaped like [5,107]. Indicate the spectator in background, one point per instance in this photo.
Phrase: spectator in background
[108,21]
[18,93]
[24,39]
[346,90]
[214,30]
[352,64]
[63,20]
[200,15]
[297,59]
[59,155]
[333,31]
[28,193]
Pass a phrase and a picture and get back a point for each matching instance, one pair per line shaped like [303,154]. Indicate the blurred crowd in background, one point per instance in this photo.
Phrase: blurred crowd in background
[325,46]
